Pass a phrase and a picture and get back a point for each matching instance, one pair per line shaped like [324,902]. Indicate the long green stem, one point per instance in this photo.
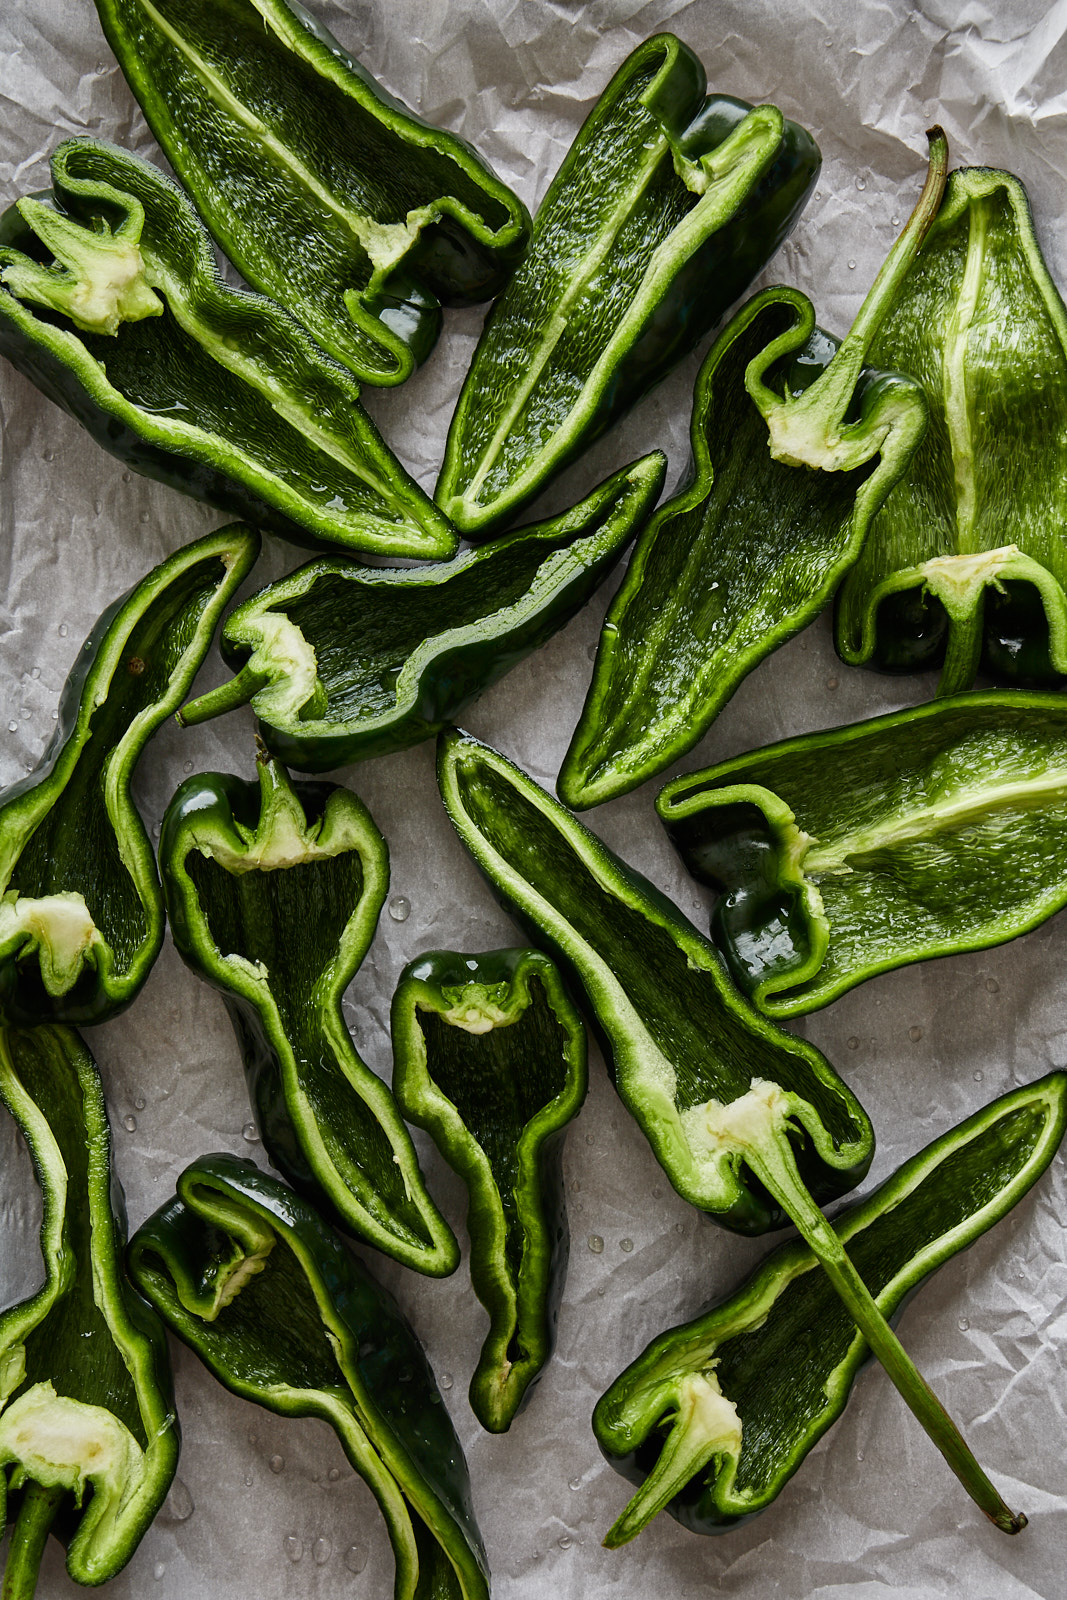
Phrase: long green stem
[28,1539]
[229,696]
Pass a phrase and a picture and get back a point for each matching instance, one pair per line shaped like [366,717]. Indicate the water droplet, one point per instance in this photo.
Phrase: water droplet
[859,1455]
[355,1558]
[126,476]
[852,266]
[963,1324]
[446,1380]
[600,1294]
[626,1244]
[591,651]
[35,672]
[49,455]
[565,1542]
[596,1243]
[144,516]
[140,1103]
[277,1463]
[853,1042]
[249,1134]
[679,1227]
[575,1186]
[915,1034]
[12,727]
[861,183]
[321,1551]
[55,716]
[831,683]
[188,767]
[399,908]
[894,222]
[248,1480]
[576,1484]
[333,1474]
[253,1435]
[158,1570]
[992,985]
[98,506]
[294,1547]
[178,1506]
[818,194]
[978,1077]
[589,1139]
[129,1122]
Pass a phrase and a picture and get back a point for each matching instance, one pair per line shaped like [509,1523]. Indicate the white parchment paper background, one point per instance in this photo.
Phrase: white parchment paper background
[268,1508]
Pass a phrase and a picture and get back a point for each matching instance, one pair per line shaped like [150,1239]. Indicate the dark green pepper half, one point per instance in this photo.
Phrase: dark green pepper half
[81,910]
[843,854]
[251,1278]
[668,204]
[489,1057]
[112,304]
[85,1385]
[966,564]
[716,1415]
[343,662]
[273,894]
[327,193]
[747,1122]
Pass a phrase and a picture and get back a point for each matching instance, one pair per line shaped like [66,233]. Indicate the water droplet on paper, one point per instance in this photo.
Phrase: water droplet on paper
[596,1243]
[979,1076]
[626,1244]
[355,1558]
[589,1139]
[188,767]
[129,1122]
[915,1034]
[992,985]
[679,1227]
[248,1480]
[249,1134]
[333,1474]
[565,1542]
[575,1186]
[126,477]
[600,1294]
[963,1324]
[158,1570]
[446,1380]
[294,1547]
[854,1042]
[320,1552]
[591,651]
[852,266]
[12,727]
[576,1484]
[140,1103]
[859,1455]
[55,716]
[894,222]
[831,683]
[861,183]
[399,908]
[35,672]
[178,1506]
[253,1435]
[49,455]
[277,1463]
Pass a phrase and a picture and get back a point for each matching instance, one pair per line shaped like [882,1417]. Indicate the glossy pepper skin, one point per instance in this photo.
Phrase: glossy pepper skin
[490,1058]
[717,1414]
[85,1388]
[325,192]
[842,854]
[273,895]
[214,391]
[965,566]
[668,204]
[81,909]
[248,1275]
[343,662]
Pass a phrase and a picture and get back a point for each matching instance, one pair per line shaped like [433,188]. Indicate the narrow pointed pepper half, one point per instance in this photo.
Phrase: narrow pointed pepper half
[112,304]
[839,855]
[966,564]
[747,1122]
[716,1415]
[81,909]
[343,662]
[89,1438]
[668,204]
[273,894]
[489,1057]
[250,1277]
[754,545]
[326,192]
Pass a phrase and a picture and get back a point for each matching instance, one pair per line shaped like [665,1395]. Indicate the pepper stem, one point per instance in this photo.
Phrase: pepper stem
[28,1539]
[229,696]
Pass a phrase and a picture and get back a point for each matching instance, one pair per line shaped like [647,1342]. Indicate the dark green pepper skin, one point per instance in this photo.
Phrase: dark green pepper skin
[324,191]
[71,828]
[273,895]
[215,392]
[85,1333]
[248,1275]
[781,1347]
[843,854]
[675,1033]
[490,1058]
[369,660]
[635,296]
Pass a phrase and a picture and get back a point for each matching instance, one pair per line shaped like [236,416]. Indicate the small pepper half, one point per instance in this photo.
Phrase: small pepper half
[85,1386]
[273,894]
[249,1276]
[81,909]
[716,1415]
[839,855]
[490,1058]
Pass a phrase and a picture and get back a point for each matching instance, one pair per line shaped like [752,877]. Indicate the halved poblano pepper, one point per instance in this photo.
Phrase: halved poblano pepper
[966,563]
[326,192]
[747,1122]
[250,1277]
[752,548]
[273,894]
[843,854]
[668,204]
[112,304]
[717,1414]
[89,1438]
[343,662]
[81,909]
[490,1058]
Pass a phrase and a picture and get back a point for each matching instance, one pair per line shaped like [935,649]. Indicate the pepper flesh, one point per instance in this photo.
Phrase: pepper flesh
[324,191]
[81,909]
[216,392]
[85,1385]
[489,1057]
[717,1414]
[248,1275]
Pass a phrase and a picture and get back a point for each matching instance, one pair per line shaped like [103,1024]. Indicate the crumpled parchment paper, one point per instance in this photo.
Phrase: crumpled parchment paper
[270,1508]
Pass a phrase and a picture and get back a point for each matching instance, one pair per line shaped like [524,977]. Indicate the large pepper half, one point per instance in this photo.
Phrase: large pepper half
[489,1057]
[716,1415]
[251,1278]
[85,1385]
[343,662]
[668,204]
[81,910]
[746,1121]
[112,304]
[273,894]
[326,192]
[843,854]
